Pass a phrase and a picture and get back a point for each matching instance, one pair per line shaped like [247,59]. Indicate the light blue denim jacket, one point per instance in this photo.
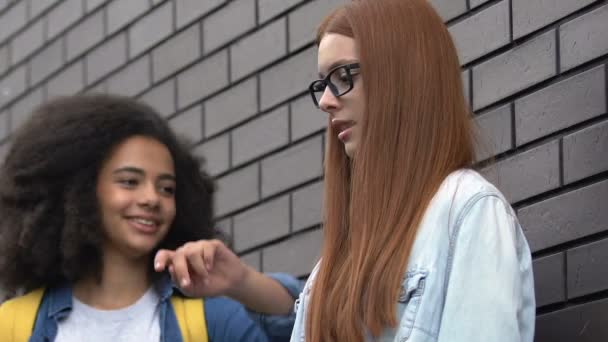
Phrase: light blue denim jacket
[469,276]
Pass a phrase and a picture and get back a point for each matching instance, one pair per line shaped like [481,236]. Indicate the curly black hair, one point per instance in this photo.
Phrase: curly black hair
[49,216]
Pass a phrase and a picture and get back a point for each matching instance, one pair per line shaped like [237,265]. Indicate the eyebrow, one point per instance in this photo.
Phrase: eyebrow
[338,63]
[131,169]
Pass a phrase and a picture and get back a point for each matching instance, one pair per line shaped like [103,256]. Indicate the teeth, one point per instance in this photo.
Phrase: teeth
[144,221]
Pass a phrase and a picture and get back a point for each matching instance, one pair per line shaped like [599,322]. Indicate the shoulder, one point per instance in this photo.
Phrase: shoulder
[459,192]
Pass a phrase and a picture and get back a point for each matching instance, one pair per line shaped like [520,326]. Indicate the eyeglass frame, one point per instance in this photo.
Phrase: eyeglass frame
[326,81]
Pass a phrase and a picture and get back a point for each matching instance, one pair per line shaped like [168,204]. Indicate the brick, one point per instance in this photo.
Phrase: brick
[21,110]
[106,58]
[13,20]
[254,260]
[296,165]
[566,217]
[288,78]
[189,124]
[231,107]
[473,42]
[529,16]
[162,97]
[466,85]
[258,49]
[132,79]
[122,12]
[150,29]
[84,35]
[515,70]
[228,23]
[46,62]
[495,132]
[202,79]
[306,206]
[296,256]
[179,51]
[270,8]
[581,323]
[477,3]
[303,22]
[37,6]
[69,81]
[216,153]
[27,41]
[4,59]
[189,10]
[585,152]
[588,269]
[261,224]
[237,190]
[561,105]
[306,118]
[12,85]
[64,15]
[91,5]
[584,38]
[99,88]
[550,284]
[4,125]
[449,9]
[260,136]
[527,174]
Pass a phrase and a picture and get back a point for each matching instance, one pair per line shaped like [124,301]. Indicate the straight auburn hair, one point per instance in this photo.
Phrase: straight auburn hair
[415,131]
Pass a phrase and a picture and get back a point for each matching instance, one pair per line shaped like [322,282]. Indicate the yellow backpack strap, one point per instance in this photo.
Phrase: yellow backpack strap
[190,313]
[18,315]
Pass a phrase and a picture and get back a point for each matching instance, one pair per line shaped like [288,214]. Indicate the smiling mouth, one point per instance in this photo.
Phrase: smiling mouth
[144,225]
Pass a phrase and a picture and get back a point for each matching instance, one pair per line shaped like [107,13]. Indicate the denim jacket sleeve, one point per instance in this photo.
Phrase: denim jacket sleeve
[489,291]
[279,327]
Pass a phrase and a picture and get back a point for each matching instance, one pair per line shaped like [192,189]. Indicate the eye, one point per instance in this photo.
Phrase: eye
[128,182]
[167,189]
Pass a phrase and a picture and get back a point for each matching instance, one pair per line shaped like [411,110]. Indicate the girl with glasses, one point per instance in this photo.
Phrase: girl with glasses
[417,245]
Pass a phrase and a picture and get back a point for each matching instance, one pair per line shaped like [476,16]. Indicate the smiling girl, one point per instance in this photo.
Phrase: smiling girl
[92,187]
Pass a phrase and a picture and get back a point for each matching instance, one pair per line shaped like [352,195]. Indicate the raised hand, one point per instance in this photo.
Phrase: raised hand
[203,268]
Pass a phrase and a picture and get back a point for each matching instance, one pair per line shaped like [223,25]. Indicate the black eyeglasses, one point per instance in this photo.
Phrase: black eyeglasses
[339,80]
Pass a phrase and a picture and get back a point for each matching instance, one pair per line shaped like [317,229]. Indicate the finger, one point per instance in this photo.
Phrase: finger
[163,259]
[196,262]
[180,265]
[172,273]
[210,252]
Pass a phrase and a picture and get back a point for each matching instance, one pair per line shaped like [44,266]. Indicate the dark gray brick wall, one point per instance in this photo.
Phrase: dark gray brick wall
[566,217]
[471,42]
[561,105]
[550,285]
[228,23]
[232,77]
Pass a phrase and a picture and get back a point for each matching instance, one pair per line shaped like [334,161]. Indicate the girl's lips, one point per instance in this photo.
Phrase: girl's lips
[344,127]
[145,228]
[344,135]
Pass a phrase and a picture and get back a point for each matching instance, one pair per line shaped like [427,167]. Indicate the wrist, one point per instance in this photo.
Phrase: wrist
[241,286]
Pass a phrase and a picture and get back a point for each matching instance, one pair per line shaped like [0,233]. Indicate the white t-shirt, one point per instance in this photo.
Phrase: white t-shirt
[136,323]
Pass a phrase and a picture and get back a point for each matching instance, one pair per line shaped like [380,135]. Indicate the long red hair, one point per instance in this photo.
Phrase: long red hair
[415,131]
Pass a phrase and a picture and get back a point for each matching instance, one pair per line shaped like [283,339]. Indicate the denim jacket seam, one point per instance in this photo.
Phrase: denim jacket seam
[424,331]
[454,236]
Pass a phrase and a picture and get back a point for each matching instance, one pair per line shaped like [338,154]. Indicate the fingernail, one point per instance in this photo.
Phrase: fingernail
[184,282]
[157,265]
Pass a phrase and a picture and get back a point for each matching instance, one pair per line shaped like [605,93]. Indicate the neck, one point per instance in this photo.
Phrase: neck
[123,281]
